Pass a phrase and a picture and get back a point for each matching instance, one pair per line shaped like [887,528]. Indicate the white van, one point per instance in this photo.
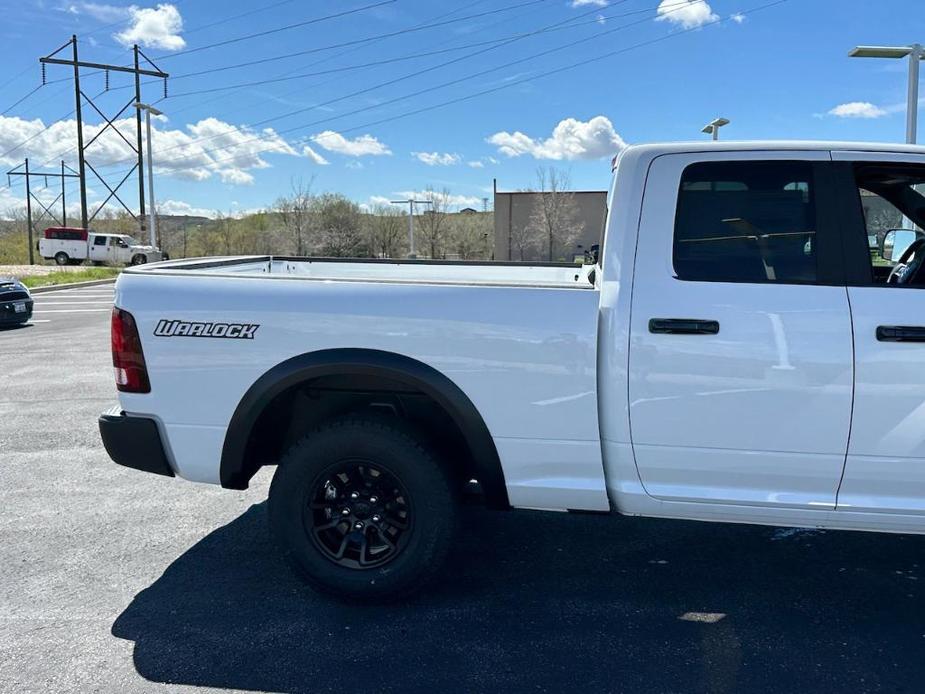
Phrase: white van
[73,245]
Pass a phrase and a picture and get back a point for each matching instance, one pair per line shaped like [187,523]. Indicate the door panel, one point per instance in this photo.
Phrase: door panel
[885,470]
[885,467]
[757,412]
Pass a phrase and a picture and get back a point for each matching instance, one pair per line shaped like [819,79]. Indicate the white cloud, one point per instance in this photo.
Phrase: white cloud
[158,27]
[314,156]
[585,3]
[375,200]
[858,109]
[737,17]
[571,139]
[452,200]
[104,13]
[689,14]
[358,147]
[436,158]
[480,163]
[179,208]
[224,151]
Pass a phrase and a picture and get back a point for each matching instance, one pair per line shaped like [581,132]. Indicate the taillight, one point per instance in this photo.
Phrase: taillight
[127,358]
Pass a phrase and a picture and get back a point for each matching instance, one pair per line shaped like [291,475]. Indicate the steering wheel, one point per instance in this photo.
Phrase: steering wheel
[911,261]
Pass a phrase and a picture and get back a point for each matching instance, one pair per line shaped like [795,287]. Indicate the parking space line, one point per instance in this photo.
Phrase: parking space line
[74,310]
[70,303]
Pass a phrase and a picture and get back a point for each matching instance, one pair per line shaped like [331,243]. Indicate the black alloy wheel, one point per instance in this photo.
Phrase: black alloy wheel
[363,509]
[358,515]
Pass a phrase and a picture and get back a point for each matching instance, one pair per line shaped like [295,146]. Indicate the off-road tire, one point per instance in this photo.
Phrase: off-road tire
[394,449]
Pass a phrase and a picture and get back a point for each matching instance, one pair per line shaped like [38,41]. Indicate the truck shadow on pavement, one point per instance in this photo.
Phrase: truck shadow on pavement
[551,602]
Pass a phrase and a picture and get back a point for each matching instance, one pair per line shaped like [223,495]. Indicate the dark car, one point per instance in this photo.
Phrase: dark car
[15,302]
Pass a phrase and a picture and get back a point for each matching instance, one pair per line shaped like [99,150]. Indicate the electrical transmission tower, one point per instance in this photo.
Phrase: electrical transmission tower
[23,170]
[80,99]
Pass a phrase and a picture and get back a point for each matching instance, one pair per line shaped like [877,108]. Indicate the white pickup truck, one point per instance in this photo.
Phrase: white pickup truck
[70,245]
[739,354]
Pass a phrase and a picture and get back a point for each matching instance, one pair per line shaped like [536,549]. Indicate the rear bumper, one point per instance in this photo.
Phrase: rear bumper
[8,314]
[134,442]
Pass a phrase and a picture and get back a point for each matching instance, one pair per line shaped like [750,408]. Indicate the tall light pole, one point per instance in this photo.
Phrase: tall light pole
[411,202]
[150,111]
[915,53]
[712,128]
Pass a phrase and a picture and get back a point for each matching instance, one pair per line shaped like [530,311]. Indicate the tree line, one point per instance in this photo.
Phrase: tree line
[305,223]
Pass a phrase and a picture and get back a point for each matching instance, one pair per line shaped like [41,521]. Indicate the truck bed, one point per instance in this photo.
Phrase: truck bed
[553,275]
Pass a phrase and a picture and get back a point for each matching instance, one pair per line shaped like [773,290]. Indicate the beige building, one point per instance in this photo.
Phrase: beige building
[513,211]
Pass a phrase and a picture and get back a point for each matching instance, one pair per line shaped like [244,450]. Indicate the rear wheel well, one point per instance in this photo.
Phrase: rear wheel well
[436,409]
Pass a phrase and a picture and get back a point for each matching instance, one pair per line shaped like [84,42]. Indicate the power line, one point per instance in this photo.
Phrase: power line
[17,76]
[327,59]
[287,27]
[355,42]
[417,73]
[17,103]
[468,77]
[513,83]
[368,39]
[271,6]
[411,56]
[571,66]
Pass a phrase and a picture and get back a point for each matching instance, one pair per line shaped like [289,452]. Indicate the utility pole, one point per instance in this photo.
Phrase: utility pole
[915,52]
[23,170]
[411,203]
[82,99]
[29,216]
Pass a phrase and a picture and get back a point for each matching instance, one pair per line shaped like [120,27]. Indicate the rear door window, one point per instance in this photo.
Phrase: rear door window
[748,221]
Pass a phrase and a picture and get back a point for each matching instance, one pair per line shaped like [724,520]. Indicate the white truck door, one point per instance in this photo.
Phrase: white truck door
[885,469]
[99,250]
[740,369]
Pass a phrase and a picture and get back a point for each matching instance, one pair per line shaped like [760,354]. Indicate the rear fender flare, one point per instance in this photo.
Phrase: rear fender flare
[236,470]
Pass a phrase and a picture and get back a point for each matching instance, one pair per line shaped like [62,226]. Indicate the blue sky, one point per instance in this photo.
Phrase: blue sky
[778,72]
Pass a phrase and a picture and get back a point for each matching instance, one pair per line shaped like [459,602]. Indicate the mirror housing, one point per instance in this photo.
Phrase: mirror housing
[896,241]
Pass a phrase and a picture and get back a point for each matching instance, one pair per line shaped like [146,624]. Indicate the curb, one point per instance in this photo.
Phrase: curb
[71,285]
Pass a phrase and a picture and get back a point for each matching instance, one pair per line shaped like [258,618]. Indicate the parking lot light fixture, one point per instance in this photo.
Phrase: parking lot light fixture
[712,128]
[915,53]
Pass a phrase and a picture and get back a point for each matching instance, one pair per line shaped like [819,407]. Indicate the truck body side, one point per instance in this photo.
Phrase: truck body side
[587,406]
[525,357]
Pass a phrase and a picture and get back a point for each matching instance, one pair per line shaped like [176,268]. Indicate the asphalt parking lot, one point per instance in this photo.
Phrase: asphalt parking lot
[113,580]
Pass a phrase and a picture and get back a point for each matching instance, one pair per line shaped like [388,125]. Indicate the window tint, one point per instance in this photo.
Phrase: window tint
[99,241]
[894,212]
[749,221]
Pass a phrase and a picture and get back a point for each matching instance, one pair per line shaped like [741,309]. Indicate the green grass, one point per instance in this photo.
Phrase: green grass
[91,273]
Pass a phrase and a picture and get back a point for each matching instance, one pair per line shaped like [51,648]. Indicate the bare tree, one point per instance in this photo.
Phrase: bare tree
[386,228]
[555,212]
[339,224]
[295,212]
[526,239]
[433,221]
[469,235]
